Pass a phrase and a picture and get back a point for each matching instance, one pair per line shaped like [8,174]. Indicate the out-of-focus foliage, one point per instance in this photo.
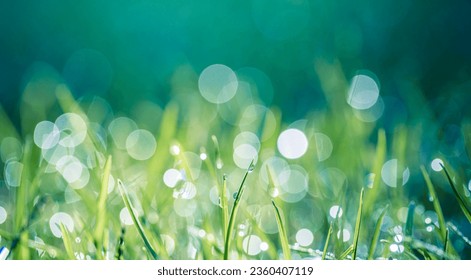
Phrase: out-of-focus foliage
[326,98]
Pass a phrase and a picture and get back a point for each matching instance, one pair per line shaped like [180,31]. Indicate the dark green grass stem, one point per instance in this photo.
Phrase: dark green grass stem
[230,226]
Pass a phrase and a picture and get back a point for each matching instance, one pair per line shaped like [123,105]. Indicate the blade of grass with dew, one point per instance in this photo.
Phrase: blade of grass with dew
[282,232]
[436,203]
[67,242]
[410,220]
[235,207]
[380,157]
[356,235]
[101,208]
[137,223]
[455,229]
[461,201]
[327,240]
[376,233]
[428,248]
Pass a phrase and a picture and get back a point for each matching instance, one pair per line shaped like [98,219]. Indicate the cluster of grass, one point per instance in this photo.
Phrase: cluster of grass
[426,218]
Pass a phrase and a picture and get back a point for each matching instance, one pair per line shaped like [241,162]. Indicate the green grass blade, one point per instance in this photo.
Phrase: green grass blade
[447,239]
[137,223]
[20,251]
[461,201]
[433,251]
[67,242]
[282,232]
[327,241]
[101,208]
[346,253]
[410,220]
[376,233]
[455,229]
[230,226]
[436,203]
[224,206]
[356,235]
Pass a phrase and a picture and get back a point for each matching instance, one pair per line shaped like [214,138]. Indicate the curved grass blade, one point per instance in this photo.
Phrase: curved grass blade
[461,201]
[436,203]
[282,232]
[356,235]
[377,232]
[101,209]
[327,240]
[135,220]
[230,226]
[67,242]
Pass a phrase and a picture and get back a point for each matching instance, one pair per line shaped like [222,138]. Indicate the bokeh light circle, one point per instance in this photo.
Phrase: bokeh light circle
[218,83]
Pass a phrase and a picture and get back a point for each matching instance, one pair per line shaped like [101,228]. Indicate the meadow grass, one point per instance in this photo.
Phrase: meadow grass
[350,201]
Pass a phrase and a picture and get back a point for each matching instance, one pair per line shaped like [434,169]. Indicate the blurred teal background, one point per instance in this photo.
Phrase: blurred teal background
[128,50]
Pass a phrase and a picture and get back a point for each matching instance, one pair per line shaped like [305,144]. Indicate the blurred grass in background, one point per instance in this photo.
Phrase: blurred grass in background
[331,97]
